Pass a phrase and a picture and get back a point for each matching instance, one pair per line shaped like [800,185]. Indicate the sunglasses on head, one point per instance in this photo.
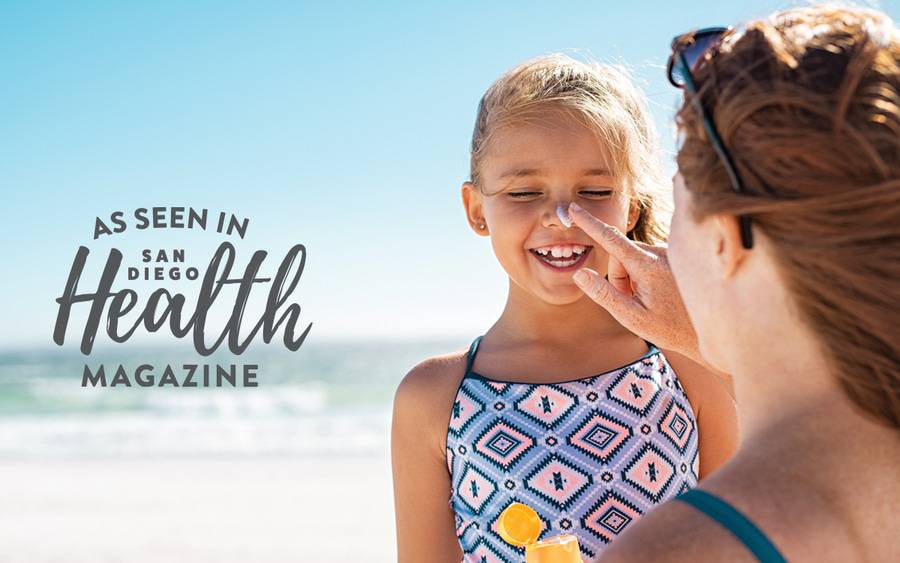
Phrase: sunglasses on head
[688,52]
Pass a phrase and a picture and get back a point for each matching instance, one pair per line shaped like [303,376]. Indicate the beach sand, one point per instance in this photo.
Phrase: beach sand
[240,509]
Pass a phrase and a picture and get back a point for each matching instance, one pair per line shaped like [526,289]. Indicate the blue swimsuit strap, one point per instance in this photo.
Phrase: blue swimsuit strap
[735,522]
[473,349]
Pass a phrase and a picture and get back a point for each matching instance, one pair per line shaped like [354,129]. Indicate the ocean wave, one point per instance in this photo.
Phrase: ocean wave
[230,433]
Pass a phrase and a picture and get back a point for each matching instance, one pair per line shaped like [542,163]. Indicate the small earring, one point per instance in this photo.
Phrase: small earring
[481,225]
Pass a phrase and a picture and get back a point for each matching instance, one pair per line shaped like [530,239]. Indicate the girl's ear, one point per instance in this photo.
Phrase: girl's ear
[473,204]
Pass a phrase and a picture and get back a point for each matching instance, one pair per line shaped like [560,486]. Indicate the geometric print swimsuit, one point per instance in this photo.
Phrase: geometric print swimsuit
[590,455]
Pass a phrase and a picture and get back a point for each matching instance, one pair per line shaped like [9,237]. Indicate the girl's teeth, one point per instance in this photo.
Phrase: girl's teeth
[561,251]
[562,263]
[561,257]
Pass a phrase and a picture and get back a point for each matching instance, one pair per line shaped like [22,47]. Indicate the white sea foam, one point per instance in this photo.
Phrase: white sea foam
[329,400]
[150,434]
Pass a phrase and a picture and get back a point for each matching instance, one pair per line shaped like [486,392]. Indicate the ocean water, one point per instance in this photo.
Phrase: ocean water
[326,399]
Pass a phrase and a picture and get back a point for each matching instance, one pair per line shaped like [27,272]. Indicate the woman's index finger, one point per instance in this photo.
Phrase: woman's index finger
[609,237]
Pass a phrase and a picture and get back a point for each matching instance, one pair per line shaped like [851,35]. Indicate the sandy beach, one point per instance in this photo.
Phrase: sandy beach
[297,469]
[237,509]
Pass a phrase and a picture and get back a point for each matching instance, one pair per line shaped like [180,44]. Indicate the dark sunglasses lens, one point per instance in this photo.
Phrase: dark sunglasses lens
[676,71]
[702,43]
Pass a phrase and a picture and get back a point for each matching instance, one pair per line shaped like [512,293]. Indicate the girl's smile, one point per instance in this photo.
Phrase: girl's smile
[562,256]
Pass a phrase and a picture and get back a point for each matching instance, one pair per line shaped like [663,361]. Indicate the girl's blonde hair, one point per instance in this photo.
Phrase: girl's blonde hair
[604,98]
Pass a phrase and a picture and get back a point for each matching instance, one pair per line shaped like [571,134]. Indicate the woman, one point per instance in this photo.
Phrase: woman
[785,247]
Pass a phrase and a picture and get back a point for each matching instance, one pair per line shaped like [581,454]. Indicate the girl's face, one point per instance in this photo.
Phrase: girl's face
[529,170]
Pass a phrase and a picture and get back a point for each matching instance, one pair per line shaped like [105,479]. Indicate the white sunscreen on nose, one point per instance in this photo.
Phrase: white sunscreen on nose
[562,211]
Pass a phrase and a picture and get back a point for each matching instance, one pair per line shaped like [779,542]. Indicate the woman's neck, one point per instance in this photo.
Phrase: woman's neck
[824,439]
[809,458]
[528,318]
[789,395]
[779,376]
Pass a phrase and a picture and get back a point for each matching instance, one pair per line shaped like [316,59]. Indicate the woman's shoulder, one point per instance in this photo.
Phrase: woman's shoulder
[794,517]
[676,532]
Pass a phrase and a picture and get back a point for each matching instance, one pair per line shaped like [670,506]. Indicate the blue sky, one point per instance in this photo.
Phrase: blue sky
[342,126]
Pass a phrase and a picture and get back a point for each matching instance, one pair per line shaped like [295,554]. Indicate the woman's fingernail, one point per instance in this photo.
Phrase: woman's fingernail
[562,211]
[574,207]
[581,277]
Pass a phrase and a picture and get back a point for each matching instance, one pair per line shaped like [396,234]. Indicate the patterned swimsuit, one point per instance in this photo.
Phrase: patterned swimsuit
[589,455]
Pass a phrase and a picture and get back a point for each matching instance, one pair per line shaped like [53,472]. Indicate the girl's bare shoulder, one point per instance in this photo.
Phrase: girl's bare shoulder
[698,379]
[425,394]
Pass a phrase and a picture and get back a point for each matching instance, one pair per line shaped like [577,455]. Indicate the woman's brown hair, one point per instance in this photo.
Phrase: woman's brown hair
[808,103]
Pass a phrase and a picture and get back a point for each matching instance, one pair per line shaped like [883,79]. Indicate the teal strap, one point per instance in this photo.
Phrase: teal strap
[473,349]
[735,522]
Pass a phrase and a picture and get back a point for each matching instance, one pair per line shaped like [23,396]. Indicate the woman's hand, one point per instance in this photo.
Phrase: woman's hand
[639,291]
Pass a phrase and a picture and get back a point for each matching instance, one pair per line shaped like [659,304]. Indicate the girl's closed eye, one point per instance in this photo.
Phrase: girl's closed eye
[596,193]
[523,194]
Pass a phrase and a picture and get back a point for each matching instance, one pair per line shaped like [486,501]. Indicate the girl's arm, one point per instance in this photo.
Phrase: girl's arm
[712,399]
[425,521]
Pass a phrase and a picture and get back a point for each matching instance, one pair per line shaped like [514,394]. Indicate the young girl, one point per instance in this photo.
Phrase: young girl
[556,405]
